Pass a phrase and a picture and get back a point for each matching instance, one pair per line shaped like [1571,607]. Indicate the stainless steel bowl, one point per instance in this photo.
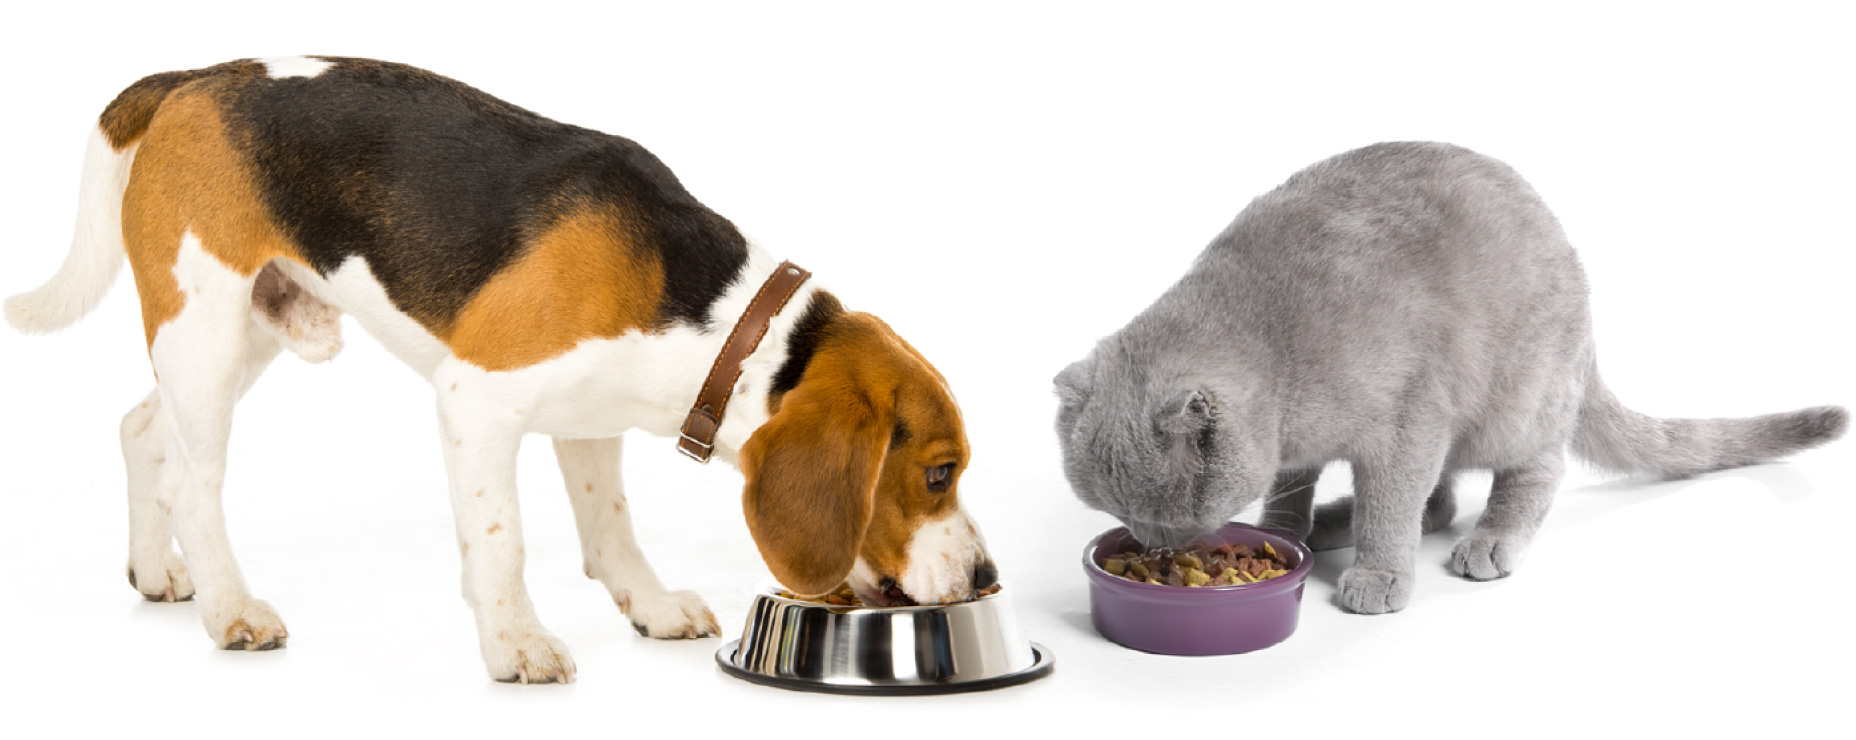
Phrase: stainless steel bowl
[970,646]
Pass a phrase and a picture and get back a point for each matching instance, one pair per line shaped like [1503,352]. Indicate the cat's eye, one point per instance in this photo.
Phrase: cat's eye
[939,476]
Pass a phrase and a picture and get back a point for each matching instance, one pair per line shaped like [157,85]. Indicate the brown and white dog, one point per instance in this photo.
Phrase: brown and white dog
[543,278]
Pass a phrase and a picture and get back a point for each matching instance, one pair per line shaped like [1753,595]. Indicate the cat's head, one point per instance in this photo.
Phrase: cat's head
[1172,458]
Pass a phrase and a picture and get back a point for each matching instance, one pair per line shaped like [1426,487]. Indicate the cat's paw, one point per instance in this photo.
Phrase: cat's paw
[1368,591]
[1485,556]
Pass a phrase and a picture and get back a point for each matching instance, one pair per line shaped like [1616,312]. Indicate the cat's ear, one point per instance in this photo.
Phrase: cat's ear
[1188,412]
[1185,418]
[1074,382]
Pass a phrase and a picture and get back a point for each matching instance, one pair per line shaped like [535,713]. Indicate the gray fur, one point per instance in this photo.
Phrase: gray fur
[1411,308]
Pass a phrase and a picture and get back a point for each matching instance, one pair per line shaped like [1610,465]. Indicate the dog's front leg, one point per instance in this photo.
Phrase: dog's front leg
[480,457]
[590,468]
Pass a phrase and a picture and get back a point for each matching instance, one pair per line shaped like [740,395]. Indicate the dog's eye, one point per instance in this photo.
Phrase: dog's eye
[939,476]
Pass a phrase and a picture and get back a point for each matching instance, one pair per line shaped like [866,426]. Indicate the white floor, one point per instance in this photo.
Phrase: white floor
[1003,191]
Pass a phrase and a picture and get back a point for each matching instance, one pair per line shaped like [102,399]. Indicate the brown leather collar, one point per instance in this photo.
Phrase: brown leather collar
[705,419]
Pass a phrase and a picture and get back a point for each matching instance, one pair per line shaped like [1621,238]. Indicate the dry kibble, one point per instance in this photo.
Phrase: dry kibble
[840,596]
[844,596]
[1200,566]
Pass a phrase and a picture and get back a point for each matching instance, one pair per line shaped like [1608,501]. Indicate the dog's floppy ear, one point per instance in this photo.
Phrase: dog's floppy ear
[811,482]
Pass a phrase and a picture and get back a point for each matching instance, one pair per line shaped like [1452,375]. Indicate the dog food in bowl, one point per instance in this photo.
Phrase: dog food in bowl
[844,596]
[1200,565]
[840,596]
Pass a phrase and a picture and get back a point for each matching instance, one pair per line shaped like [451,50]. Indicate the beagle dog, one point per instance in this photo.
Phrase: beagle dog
[543,278]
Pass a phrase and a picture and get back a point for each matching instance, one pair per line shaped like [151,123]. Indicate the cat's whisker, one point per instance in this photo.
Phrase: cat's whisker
[1282,520]
[1285,492]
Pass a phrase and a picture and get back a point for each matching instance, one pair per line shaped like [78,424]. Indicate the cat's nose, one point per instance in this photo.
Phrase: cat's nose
[1152,535]
[985,575]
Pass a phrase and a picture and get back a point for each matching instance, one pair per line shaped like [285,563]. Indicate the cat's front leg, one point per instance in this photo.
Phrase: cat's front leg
[1333,527]
[1518,503]
[1388,518]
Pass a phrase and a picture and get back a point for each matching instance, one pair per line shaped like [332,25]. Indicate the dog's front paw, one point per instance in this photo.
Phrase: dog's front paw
[244,624]
[162,581]
[1368,591]
[677,615]
[1485,556]
[525,656]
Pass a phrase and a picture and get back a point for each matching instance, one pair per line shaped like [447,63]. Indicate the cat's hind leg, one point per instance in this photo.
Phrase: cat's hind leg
[1518,503]
[1333,527]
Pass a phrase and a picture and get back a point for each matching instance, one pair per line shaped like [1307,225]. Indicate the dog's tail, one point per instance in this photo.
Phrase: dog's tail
[1623,440]
[97,254]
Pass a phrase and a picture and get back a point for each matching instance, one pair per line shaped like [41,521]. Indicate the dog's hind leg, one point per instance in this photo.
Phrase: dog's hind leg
[205,358]
[155,569]
[590,468]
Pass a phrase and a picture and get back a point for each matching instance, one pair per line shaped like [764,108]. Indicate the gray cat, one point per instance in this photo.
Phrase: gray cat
[1411,308]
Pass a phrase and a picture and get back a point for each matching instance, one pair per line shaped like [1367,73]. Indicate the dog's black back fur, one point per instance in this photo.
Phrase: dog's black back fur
[437,184]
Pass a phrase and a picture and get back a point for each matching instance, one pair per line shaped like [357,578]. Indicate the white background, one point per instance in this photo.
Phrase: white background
[1004,185]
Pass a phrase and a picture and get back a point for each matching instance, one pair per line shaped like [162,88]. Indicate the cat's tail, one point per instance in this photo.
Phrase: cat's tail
[1617,438]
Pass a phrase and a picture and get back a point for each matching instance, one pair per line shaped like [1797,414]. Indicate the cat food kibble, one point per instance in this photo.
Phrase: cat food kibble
[1200,565]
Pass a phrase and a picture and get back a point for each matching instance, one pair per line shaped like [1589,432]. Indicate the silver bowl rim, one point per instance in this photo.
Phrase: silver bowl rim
[1043,662]
[771,589]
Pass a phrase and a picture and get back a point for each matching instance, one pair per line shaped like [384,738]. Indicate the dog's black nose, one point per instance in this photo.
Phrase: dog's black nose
[985,575]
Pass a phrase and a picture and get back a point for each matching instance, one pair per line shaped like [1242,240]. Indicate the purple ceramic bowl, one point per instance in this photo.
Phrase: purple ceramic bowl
[1214,620]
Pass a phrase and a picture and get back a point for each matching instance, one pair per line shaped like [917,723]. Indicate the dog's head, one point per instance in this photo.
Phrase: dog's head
[856,476]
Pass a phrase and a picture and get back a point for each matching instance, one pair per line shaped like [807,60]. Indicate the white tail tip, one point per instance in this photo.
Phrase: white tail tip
[29,313]
[96,254]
